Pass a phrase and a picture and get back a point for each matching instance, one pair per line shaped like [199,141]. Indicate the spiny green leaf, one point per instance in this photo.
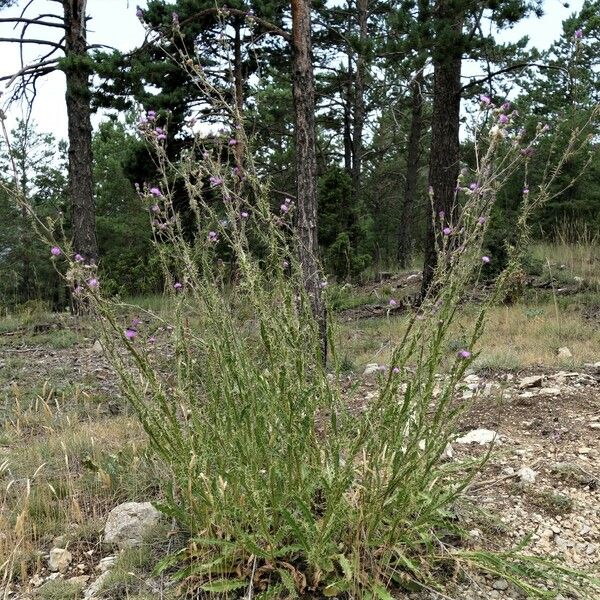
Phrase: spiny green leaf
[224,585]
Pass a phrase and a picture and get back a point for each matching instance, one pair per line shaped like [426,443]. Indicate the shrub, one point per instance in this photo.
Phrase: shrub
[278,485]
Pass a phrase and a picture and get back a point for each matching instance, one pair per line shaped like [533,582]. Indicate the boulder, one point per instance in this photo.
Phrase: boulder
[129,523]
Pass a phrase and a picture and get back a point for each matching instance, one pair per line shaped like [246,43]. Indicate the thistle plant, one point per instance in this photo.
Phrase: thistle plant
[281,490]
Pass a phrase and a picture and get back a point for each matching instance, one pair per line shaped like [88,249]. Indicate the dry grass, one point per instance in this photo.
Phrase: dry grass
[60,474]
[576,250]
[517,336]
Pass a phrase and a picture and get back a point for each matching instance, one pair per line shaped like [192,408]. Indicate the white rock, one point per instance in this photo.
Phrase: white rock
[97,347]
[80,580]
[128,523]
[108,562]
[527,475]
[500,584]
[59,560]
[564,353]
[92,591]
[371,369]
[533,381]
[594,425]
[549,391]
[478,436]
[448,452]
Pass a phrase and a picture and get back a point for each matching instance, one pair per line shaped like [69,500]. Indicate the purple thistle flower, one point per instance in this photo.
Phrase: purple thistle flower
[506,106]
[395,370]
[155,192]
[284,208]
[233,142]
[528,152]
[285,264]
[213,236]
[139,13]
[161,136]
[151,115]
[503,119]
[93,283]
[485,99]
[323,284]
[175,19]
[481,220]
[215,180]
[151,340]
[442,214]
[474,186]
[155,208]
[55,251]
[578,34]
[526,190]
[392,302]
[485,260]
[178,285]
[244,214]
[447,230]
[464,354]
[130,333]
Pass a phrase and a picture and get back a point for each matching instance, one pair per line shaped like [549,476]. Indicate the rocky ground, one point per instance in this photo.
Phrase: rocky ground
[543,477]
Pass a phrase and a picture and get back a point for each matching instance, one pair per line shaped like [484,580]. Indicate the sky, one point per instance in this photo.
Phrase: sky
[114,23]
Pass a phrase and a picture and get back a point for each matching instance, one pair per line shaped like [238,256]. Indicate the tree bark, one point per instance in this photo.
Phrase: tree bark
[445,123]
[77,72]
[239,87]
[306,161]
[414,150]
[347,101]
[359,96]
[413,160]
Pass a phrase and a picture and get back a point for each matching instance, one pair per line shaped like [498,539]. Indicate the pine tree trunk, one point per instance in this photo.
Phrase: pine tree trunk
[414,150]
[359,96]
[77,71]
[306,161]
[239,87]
[413,160]
[445,123]
[347,100]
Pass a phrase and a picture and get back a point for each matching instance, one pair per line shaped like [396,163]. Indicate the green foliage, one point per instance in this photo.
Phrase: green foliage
[26,271]
[344,229]
[128,264]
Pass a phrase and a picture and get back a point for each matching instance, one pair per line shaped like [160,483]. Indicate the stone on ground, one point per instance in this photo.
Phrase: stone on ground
[59,560]
[129,523]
